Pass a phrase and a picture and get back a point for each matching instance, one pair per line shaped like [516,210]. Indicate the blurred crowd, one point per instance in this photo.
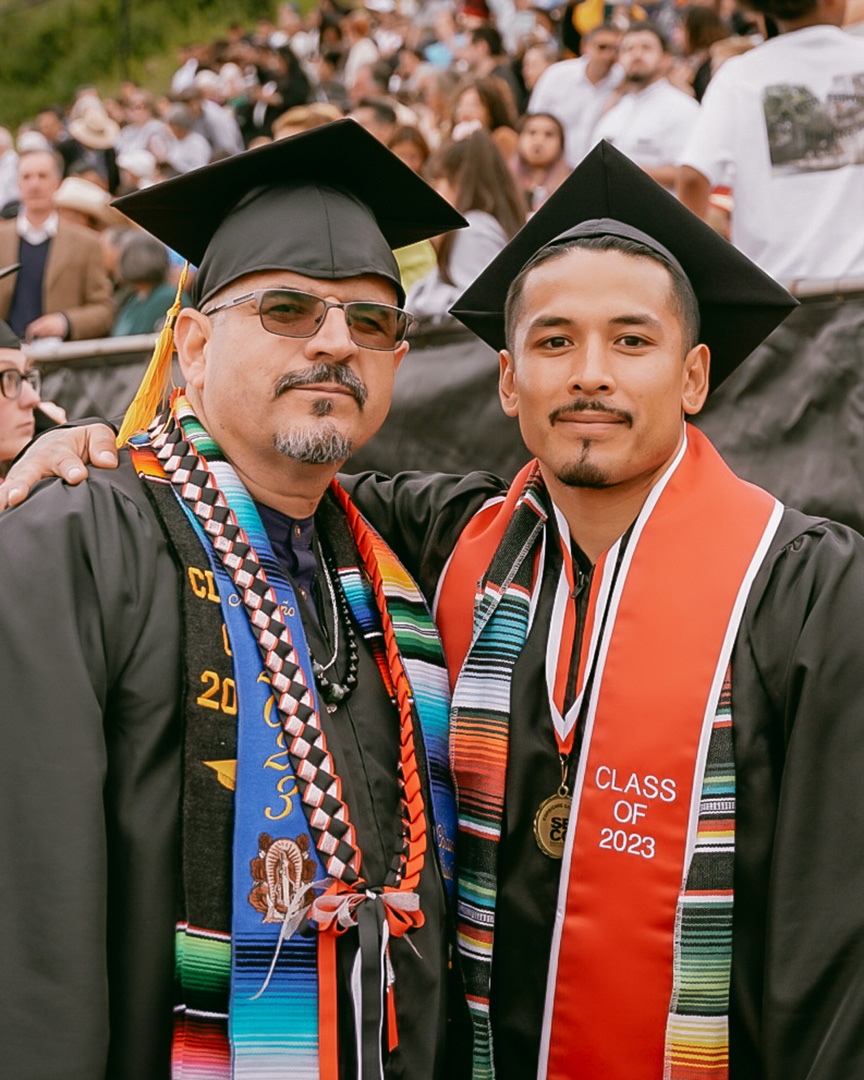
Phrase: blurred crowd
[493,101]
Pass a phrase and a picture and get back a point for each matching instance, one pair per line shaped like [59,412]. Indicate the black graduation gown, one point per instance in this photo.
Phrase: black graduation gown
[797,989]
[90,782]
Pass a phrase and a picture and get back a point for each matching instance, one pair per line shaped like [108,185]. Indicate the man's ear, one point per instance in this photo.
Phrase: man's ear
[507,384]
[191,337]
[697,369]
[399,355]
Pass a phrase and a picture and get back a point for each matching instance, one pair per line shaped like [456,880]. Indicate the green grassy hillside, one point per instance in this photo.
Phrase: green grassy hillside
[49,47]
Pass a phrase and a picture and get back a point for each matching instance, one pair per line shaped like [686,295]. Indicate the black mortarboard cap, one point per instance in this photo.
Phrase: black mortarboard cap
[329,203]
[739,304]
[8,338]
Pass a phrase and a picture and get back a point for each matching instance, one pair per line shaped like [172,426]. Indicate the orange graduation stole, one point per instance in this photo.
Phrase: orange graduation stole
[665,607]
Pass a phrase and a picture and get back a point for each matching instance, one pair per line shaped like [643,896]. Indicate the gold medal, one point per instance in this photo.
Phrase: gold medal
[550,823]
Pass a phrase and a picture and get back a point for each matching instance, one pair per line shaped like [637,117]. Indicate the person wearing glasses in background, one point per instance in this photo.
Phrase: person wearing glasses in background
[213,653]
[19,396]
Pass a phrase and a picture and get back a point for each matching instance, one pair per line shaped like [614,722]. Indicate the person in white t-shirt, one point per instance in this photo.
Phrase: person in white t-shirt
[575,92]
[652,121]
[785,124]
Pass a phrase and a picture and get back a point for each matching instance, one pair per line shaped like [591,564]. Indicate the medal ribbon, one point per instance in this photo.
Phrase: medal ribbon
[672,617]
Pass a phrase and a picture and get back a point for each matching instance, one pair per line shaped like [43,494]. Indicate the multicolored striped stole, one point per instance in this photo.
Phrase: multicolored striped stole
[648,860]
[278,1021]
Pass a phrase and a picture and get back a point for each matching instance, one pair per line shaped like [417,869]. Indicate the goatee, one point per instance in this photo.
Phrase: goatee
[324,445]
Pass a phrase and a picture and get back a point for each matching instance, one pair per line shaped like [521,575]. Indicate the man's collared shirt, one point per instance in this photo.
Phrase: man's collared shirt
[650,126]
[36,234]
[565,91]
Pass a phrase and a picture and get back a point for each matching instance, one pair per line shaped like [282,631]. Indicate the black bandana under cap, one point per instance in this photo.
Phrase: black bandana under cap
[318,230]
[611,227]
[607,194]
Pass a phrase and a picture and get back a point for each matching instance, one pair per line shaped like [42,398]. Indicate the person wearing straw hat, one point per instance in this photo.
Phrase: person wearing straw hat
[228,824]
[93,135]
[84,203]
[656,728]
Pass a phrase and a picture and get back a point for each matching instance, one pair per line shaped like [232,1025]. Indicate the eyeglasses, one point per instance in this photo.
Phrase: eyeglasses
[11,379]
[291,313]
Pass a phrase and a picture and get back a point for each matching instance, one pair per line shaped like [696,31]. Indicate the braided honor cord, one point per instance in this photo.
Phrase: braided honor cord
[319,784]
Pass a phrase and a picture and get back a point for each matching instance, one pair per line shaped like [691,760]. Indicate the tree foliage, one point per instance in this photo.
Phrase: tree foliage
[50,47]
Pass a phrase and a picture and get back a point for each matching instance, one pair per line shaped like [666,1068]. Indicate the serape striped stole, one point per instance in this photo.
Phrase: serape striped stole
[225,1027]
[638,983]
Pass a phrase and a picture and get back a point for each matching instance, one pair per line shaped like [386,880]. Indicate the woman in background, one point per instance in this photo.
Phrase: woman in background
[19,396]
[472,177]
[142,266]
[539,164]
[487,102]
[416,260]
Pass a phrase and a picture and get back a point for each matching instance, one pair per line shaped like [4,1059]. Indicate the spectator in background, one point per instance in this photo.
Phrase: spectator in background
[62,289]
[137,170]
[577,91]
[51,124]
[408,144]
[415,261]
[487,102]
[84,203]
[702,27]
[539,164]
[217,124]
[329,89]
[143,130]
[282,84]
[8,169]
[362,50]
[143,267]
[304,118]
[409,67]
[473,178]
[437,91]
[782,124]
[377,117]
[651,121]
[19,396]
[91,145]
[187,149]
[111,242]
[487,59]
[537,59]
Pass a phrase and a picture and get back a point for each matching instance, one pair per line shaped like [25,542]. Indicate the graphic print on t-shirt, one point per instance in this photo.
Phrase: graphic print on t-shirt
[808,134]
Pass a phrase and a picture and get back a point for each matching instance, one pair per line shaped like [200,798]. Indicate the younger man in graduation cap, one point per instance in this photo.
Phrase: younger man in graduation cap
[656,651]
[208,650]
[657,727]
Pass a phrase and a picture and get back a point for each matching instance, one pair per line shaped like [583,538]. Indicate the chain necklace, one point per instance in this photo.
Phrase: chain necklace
[333,692]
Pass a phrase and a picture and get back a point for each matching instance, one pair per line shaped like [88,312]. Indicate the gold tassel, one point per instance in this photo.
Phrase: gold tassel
[153,390]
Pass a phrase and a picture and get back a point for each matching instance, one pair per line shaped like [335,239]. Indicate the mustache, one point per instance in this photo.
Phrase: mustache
[340,374]
[588,405]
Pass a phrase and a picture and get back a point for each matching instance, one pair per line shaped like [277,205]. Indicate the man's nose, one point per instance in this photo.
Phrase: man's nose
[592,369]
[332,337]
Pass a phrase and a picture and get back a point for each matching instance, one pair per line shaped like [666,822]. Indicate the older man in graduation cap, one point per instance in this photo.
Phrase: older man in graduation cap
[209,650]
[657,728]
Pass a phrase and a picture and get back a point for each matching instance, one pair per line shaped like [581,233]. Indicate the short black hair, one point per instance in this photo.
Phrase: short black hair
[684,298]
[492,36]
[646,26]
[602,28]
[384,111]
[784,10]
